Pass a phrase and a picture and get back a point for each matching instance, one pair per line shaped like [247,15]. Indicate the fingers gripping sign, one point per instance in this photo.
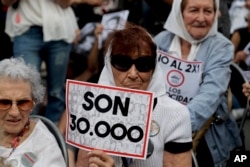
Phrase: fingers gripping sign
[98,158]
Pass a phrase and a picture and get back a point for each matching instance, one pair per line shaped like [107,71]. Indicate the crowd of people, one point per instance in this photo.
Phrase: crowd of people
[183,56]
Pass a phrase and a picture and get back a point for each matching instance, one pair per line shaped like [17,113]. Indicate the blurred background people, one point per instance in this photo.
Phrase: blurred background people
[155,14]
[238,12]
[224,22]
[240,38]
[44,30]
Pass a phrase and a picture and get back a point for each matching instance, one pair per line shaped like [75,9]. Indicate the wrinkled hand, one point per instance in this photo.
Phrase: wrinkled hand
[246,90]
[99,158]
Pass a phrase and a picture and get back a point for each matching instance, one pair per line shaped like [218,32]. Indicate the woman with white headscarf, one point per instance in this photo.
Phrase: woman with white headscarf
[130,62]
[196,59]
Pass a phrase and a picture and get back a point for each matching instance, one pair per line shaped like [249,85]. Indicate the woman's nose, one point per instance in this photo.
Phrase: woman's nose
[201,16]
[133,72]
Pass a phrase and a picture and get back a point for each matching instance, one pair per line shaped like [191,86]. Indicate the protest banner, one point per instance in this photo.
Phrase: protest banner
[113,119]
[179,75]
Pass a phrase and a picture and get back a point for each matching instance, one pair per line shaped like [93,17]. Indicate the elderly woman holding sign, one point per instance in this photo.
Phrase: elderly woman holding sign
[195,59]
[131,62]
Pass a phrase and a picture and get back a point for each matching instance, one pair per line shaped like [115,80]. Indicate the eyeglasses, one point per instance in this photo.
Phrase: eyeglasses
[23,105]
[124,63]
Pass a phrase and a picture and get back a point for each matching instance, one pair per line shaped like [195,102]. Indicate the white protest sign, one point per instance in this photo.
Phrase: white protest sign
[113,21]
[113,119]
[182,78]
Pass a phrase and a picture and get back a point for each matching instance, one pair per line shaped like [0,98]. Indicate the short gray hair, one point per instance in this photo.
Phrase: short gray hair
[15,68]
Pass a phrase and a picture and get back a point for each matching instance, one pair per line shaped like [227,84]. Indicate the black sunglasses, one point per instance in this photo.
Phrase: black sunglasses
[124,63]
[23,105]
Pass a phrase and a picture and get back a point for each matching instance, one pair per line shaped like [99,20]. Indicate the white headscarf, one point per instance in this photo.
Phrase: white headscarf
[175,23]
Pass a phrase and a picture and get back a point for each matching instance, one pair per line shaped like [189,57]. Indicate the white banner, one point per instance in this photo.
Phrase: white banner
[113,119]
[182,78]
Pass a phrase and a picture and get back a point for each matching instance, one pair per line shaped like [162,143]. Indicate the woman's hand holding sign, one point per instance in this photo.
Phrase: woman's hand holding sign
[98,158]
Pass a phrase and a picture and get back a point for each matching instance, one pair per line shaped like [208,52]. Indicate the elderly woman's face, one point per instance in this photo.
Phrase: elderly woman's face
[198,17]
[16,105]
[133,70]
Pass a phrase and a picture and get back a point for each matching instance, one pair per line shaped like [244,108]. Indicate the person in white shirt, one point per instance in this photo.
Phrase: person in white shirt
[24,141]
